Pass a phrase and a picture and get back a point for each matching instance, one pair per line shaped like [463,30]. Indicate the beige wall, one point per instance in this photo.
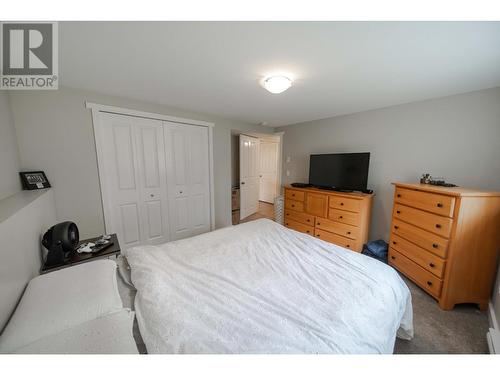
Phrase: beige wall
[9,157]
[456,137]
[55,134]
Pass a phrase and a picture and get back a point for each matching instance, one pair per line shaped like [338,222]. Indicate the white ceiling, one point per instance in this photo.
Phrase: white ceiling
[338,67]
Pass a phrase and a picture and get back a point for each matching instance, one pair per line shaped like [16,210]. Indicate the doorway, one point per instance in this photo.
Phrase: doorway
[256,175]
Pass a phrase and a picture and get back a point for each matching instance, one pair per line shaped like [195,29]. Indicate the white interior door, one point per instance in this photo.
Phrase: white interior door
[268,170]
[249,175]
[188,178]
[132,159]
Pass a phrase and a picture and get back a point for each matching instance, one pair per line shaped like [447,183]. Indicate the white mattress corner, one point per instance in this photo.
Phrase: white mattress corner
[262,288]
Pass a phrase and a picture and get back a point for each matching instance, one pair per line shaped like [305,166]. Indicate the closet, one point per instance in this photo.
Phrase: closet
[155,176]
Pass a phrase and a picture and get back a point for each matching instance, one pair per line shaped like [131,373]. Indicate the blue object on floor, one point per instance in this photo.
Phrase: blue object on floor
[376,249]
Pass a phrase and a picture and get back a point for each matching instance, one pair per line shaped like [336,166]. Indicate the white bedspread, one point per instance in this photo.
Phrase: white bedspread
[262,288]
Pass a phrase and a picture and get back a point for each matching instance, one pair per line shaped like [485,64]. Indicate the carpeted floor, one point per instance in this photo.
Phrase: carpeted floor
[460,331]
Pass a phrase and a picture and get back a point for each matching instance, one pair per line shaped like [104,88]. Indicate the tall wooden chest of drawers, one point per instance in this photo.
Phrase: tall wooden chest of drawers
[447,241]
[340,218]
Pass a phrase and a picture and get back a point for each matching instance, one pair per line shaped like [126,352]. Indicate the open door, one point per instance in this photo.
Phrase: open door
[268,170]
[249,175]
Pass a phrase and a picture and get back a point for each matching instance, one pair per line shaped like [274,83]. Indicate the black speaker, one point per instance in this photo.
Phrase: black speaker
[61,241]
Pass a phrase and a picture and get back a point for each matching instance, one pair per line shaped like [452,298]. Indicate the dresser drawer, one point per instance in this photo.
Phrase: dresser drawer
[300,217]
[345,217]
[317,204]
[294,195]
[294,205]
[423,258]
[429,241]
[437,203]
[336,239]
[343,203]
[338,228]
[299,227]
[423,278]
[431,222]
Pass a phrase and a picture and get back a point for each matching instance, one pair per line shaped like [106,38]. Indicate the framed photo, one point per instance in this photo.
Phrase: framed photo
[34,180]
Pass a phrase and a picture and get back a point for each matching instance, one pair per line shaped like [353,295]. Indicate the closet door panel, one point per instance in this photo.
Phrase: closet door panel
[133,162]
[153,197]
[120,168]
[188,179]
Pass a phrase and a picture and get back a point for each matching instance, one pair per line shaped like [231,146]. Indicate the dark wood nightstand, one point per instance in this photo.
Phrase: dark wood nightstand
[76,258]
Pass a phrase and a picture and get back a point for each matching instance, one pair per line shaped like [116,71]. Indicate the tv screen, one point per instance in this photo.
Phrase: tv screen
[339,171]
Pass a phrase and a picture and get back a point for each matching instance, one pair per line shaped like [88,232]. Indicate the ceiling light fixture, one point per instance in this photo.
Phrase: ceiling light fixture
[277,84]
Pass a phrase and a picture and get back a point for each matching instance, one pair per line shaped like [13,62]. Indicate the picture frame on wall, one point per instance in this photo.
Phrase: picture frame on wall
[34,180]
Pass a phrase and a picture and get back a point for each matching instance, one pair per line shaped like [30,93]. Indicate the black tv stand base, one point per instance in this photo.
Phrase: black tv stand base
[335,189]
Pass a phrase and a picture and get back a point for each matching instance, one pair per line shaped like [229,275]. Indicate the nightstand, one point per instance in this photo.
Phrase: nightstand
[112,251]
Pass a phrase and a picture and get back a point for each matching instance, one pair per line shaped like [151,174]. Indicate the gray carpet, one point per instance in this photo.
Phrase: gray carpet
[459,331]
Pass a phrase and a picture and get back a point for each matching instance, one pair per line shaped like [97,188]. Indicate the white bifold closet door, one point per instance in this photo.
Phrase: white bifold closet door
[188,179]
[156,184]
[134,166]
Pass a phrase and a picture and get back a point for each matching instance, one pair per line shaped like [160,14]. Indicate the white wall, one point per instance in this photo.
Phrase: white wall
[9,157]
[456,137]
[55,134]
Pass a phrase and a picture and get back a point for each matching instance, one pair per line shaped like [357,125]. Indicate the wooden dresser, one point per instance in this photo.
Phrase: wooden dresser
[447,241]
[340,218]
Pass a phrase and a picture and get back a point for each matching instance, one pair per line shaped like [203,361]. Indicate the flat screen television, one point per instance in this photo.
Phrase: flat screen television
[339,171]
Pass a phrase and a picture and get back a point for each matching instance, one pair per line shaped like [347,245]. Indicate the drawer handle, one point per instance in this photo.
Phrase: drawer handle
[287,214]
[340,217]
[393,257]
[396,227]
[317,235]
[293,195]
[440,205]
[293,205]
[429,283]
[318,223]
[286,224]
[398,212]
[432,265]
[341,203]
[394,242]
[347,246]
[308,220]
[348,232]
[399,195]
[438,226]
[435,245]
[307,231]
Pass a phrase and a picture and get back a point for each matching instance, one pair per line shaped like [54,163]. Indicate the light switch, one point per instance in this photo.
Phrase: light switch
[287,173]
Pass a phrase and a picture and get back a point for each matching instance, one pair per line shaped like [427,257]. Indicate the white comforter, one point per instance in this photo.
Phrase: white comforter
[262,288]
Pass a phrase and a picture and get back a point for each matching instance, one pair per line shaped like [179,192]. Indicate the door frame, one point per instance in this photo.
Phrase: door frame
[96,109]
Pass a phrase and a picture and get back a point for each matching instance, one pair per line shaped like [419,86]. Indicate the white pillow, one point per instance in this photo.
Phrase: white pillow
[62,299]
[110,334]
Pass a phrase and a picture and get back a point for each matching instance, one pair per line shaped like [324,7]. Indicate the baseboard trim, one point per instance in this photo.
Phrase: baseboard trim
[492,317]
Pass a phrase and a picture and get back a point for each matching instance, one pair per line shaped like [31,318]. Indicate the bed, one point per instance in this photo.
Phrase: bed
[262,288]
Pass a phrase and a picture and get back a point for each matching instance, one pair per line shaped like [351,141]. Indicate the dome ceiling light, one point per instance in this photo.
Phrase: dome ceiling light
[277,84]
